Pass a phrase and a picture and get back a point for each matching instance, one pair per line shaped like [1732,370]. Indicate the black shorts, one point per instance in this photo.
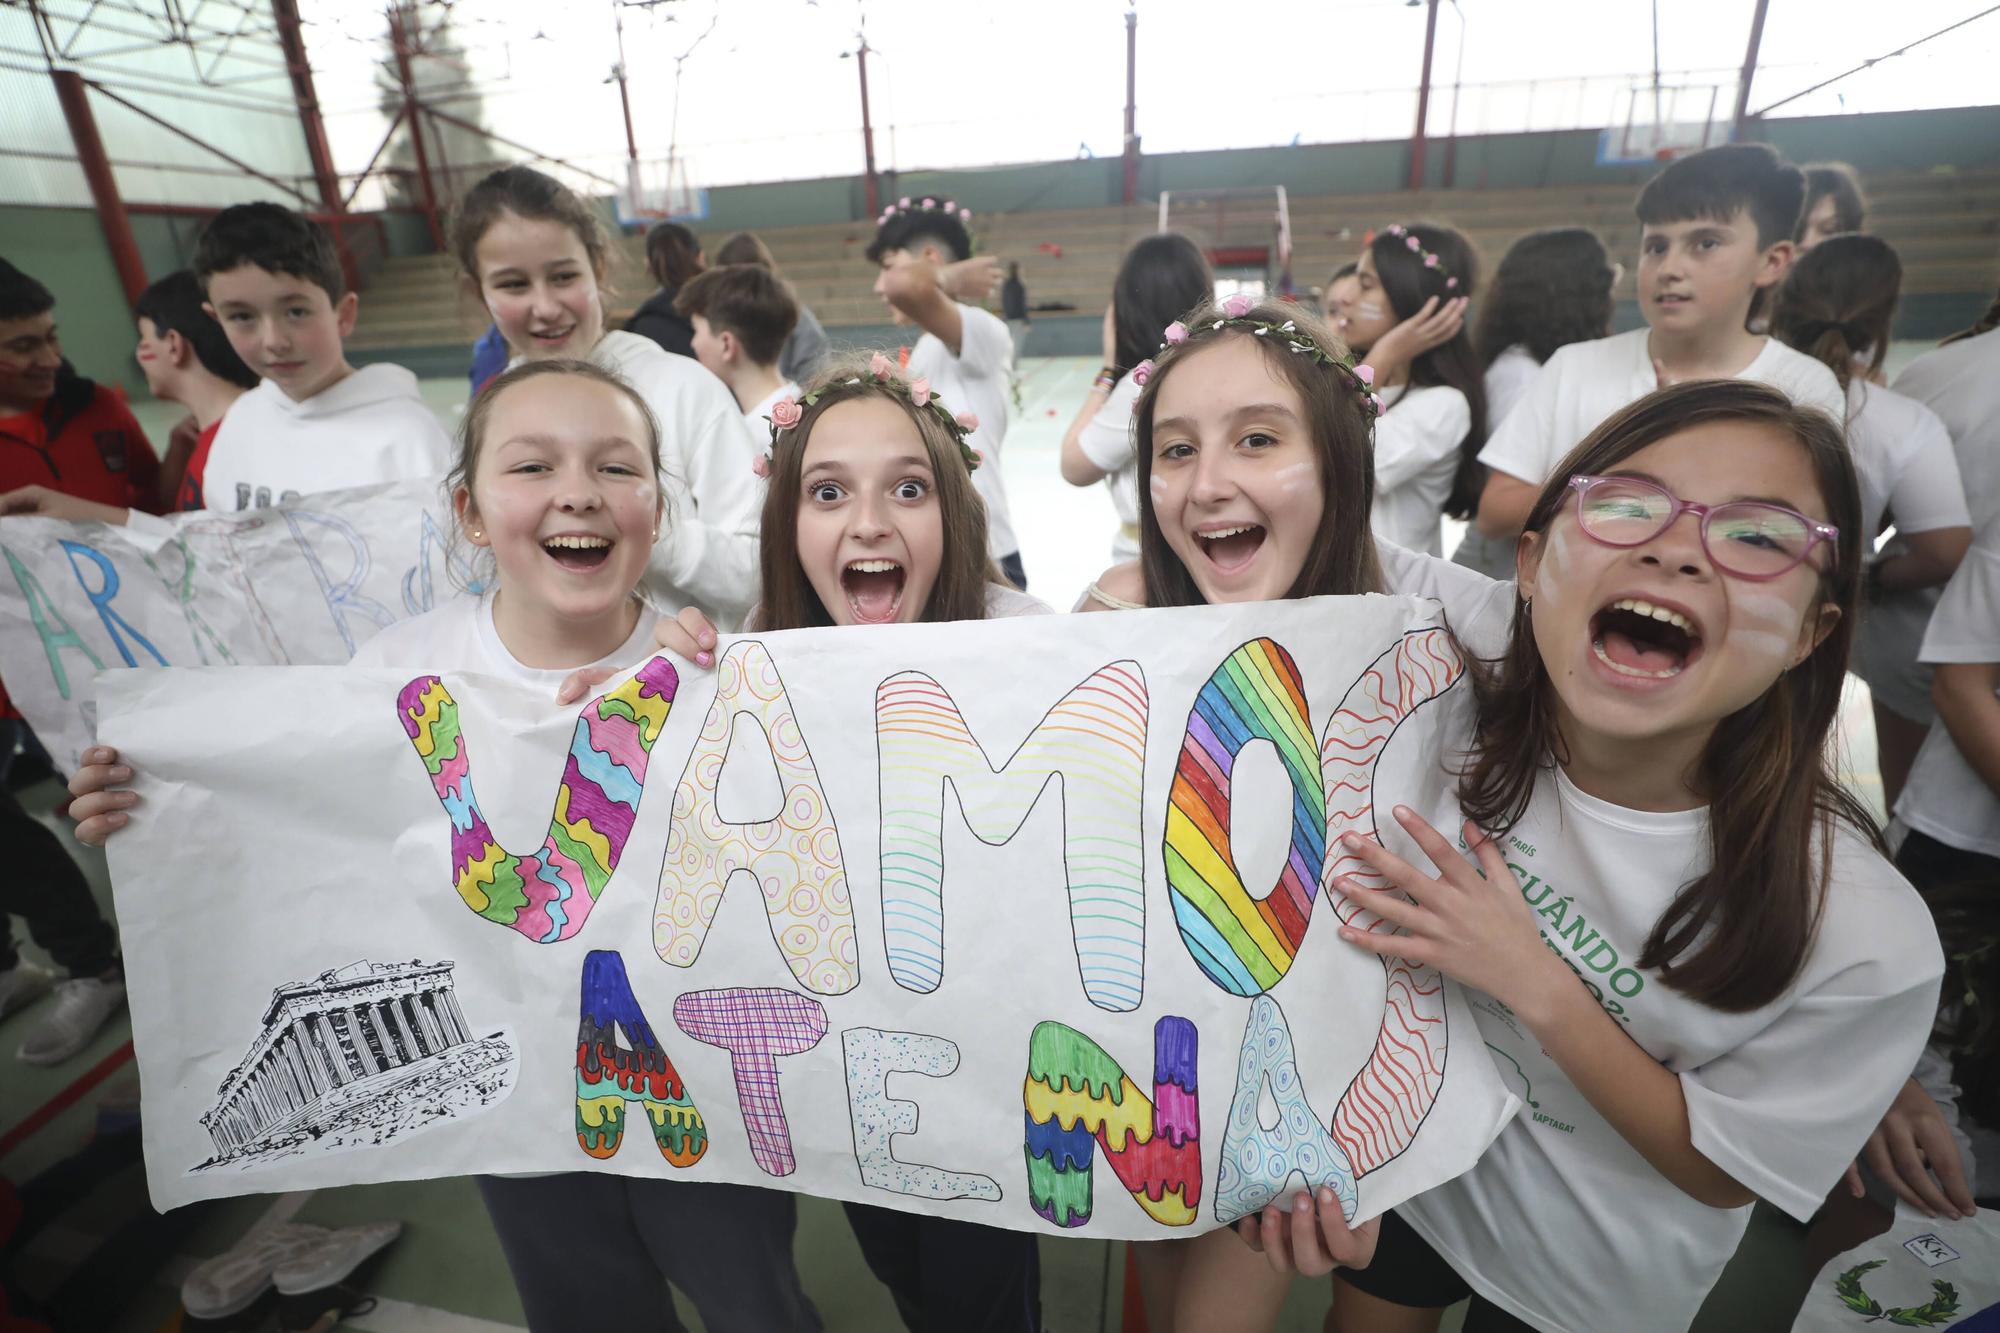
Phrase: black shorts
[1408,1272]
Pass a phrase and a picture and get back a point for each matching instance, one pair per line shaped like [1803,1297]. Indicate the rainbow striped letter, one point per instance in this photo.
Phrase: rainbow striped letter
[1244,944]
[608,1076]
[1076,1094]
[1095,740]
[546,896]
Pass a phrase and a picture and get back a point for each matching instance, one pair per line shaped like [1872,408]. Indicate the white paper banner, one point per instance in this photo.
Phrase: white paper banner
[1008,858]
[302,584]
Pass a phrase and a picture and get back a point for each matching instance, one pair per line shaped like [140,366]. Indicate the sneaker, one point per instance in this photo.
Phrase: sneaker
[233,1281]
[334,1258]
[20,986]
[83,1004]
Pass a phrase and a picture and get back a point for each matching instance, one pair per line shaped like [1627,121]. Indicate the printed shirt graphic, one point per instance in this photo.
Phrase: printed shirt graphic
[1780,1098]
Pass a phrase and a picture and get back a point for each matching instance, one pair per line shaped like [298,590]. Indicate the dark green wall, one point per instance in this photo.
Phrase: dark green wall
[1963,138]
[64,249]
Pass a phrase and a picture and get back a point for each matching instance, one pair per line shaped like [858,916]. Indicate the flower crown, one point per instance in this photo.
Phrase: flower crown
[924,205]
[1416,247]
[786,413]
[1235,310]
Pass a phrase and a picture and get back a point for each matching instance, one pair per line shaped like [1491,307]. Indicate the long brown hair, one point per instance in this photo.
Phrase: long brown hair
[1342,427]
[1736,936]
[1986,323]
[964,569]
[1407,281]
[1838,301]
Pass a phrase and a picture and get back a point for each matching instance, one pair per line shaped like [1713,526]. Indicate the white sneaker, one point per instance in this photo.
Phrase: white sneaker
[82,1006]
[231,1282]
[333,1258]
[20,986]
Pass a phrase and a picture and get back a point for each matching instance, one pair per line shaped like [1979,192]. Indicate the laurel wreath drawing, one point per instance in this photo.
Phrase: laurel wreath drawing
[1942,1305]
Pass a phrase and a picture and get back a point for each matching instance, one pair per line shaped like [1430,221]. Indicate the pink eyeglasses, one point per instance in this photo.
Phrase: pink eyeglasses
[1746,538]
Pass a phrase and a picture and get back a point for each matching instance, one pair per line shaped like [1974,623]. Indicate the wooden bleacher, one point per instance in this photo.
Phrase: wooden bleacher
[1945,226]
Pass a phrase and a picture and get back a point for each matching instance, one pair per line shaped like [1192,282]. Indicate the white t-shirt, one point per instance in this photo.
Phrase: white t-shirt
[977,380]
[707,552]
[757,419]
[1416,457]
[1944,798]
[1562,1222]
[1479,610]
[1506,380]
[1961,383]
[1904,458]
[1107,440]
[1004,603]
[369,428]
[460,636]
[1586,382]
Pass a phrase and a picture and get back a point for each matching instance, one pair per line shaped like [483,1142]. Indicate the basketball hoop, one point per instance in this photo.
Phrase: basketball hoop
[659,190]
[1663,123]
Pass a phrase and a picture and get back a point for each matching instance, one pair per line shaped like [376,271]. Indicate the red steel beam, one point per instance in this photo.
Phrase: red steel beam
[1423,96]
[1750,66]
[292,42]
[96,164]
[399,34]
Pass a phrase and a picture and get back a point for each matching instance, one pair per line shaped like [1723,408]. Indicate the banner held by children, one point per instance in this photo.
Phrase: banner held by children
[1065,871]
[302,583]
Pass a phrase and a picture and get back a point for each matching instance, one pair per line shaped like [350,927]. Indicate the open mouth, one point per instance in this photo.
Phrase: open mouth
[1230,549]
[552,336]
[577,551]
[1636,638]
[1672,299]
[874,590]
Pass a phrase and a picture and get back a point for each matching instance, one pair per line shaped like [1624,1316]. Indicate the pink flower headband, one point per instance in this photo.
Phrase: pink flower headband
[1416,247]
[1235,309]
[786,413]
[925,205]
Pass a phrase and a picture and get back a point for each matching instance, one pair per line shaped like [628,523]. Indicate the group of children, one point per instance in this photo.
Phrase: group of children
[1676,547]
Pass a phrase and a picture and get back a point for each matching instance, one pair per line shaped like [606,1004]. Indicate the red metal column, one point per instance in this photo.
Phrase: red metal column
[399,35]
[1423,97]
[869,185]
[1131,105]
[96,166]
[303,93]
[1750,66]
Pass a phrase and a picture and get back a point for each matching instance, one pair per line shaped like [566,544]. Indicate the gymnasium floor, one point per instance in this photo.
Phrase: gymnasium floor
[446,1273]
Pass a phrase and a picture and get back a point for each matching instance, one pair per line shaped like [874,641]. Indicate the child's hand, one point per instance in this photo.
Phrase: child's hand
[690,635]
[100,810]
[1312,1239]
[1435,324]
[971,280]
[1479,931]
[45,503]
[1912,1150]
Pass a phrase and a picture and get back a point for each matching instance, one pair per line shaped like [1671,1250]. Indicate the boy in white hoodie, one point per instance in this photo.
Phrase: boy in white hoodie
[315,423]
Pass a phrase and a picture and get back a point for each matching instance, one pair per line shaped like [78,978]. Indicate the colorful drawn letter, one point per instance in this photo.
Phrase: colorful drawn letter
[795,858]
[1244,944]
[756,1025]
[546,896]
[1078,1098]
[234,570]
[872,1055]
[101,597]
[1094,739]
[346,595]
[609,1075]
[1381,1111]
[182,589]
[55,632]
[1257,1162]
